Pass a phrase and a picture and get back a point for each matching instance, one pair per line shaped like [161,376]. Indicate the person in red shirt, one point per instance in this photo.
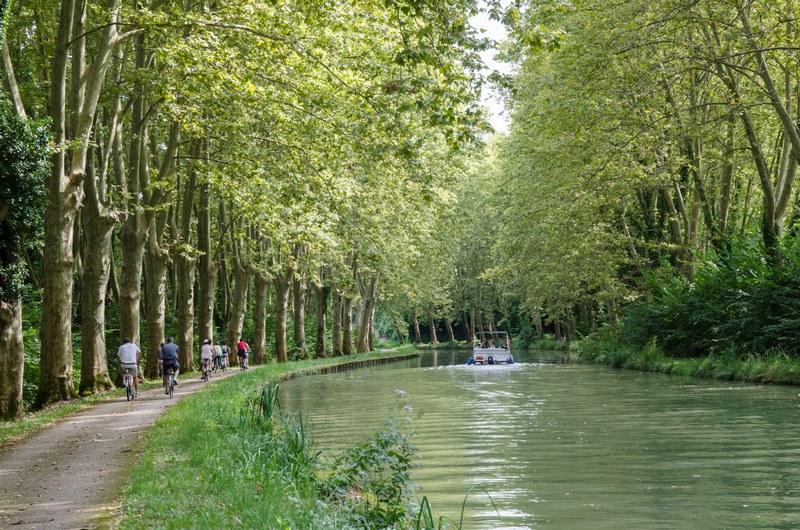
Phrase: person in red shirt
[244,350]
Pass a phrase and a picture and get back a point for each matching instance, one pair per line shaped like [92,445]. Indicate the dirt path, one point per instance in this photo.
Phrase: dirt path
[69,475]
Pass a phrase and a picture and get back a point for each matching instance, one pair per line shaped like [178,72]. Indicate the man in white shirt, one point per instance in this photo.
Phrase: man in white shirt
[130,356]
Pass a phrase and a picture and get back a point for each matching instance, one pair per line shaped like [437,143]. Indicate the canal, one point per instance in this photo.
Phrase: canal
[573,446]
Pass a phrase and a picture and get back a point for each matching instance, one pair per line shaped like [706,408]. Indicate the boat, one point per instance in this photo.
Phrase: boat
[491,347]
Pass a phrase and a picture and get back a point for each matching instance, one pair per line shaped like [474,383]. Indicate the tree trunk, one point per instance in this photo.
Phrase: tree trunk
[208,267]
[12,359]
[156,262]
[537,321]
[186,267]
[238,304]
[415,323]
[323,293]
[557,325]
[336,325]
[449,326]
[347,325]
[283,285]
[471,322]
[300,294]
[371,333]
[64,198]
[133,235]
[260,319]
[367,290]
[432,324]
[98,229]
[65,184]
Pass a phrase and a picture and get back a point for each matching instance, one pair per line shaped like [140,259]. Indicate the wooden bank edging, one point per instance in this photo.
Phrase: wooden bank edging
[343,367]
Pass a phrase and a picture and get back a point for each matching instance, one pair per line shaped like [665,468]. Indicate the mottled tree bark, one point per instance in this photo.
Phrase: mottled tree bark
[260,319]
[449,326]
[12,359]
[432,324]
[367,290]
[156,262]
[208,266]
[241,288]
[300,292]
[64,198]
[415,324]
[283,284]
[98,226]
[323,293]
[186,265]
[336,325]
[134,230]
[347,325]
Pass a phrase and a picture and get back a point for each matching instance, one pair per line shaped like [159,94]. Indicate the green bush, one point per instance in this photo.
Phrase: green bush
[737,303]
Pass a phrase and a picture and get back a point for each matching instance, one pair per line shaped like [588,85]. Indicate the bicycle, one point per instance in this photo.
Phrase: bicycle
[170,382]
[206,370]
[127,381]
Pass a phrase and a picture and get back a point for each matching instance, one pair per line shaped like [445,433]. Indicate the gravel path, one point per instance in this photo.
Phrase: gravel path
[70,475]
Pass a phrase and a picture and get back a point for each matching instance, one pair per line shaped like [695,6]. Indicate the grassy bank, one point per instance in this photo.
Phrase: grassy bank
[228,457]
[772,367]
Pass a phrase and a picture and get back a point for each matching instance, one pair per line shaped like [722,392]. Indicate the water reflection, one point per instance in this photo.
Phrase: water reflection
[565,446]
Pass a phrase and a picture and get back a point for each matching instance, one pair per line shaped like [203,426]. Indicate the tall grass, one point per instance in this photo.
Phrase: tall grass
[229,457]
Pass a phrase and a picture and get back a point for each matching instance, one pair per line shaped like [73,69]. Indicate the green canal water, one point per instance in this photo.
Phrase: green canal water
[573,446]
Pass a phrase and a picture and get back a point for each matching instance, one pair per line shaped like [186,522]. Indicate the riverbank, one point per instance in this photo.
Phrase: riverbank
[768,368]
[237,460]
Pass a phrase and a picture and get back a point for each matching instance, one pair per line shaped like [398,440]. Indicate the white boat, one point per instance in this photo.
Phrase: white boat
[491,347]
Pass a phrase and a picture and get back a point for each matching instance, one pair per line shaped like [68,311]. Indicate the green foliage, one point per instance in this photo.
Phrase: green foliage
[23,167]
[737,304]
[373,479]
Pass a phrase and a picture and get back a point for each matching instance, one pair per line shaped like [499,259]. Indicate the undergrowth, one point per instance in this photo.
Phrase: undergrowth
[230,457]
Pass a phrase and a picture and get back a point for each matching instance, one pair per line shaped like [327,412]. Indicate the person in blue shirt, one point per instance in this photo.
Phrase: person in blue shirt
[169,356]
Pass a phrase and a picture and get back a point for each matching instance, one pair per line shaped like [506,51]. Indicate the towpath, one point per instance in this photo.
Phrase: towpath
[70,475]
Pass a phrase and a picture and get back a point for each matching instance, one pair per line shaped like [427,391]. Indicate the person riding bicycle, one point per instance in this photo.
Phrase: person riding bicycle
[225,353]
[217,357]
[130,356]
[169,358]
[243,351]
[206,355]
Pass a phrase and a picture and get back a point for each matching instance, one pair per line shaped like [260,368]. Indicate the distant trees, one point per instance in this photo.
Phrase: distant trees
[646,137]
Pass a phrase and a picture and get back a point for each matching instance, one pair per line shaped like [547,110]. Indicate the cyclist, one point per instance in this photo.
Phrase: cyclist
[244,350]
[217,357]
[130,356]
[169,358]
[160,361]
[206,355]
[225,353]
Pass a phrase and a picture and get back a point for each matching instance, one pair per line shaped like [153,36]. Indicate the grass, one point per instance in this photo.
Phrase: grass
[771,367]
[227,457]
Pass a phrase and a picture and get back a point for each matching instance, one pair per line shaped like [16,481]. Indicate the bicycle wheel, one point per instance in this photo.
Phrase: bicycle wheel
[128,390]
[170,385]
